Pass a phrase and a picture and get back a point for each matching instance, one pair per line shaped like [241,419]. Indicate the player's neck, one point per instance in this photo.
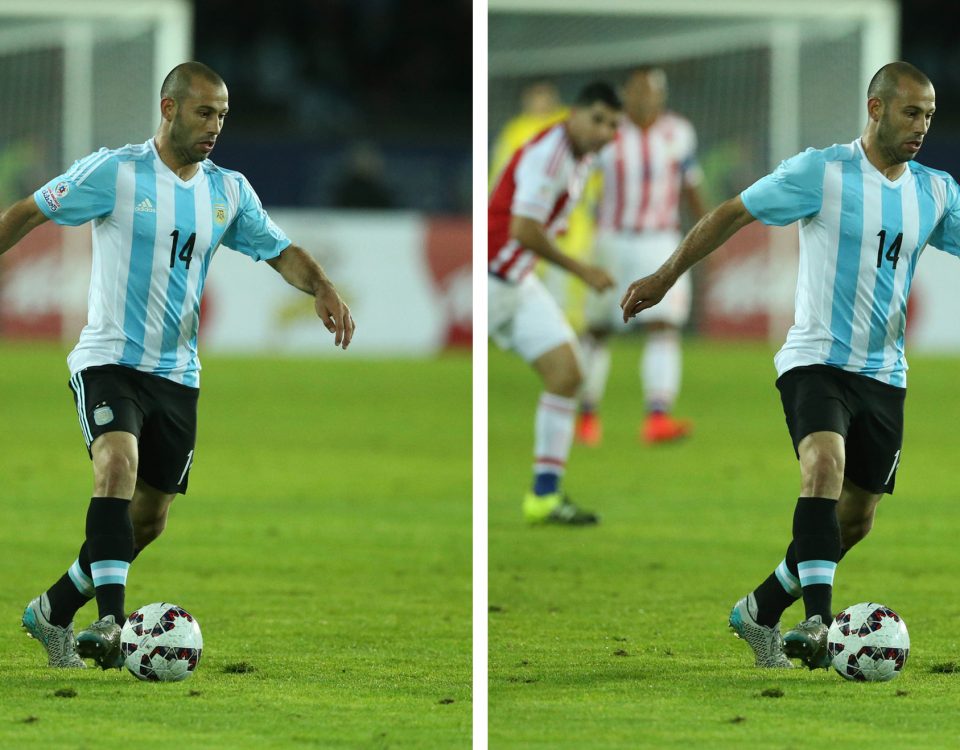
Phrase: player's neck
[885,166]
[183,169]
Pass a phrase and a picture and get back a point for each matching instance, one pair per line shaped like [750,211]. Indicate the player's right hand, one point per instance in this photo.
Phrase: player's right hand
[596,278]
[641,294]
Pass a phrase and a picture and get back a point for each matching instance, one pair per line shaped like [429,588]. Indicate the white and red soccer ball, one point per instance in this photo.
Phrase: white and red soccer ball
[868,642]
[161,642]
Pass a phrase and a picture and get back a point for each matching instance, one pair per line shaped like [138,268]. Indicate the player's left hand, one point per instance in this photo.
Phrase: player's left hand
[641,294]
[335,314]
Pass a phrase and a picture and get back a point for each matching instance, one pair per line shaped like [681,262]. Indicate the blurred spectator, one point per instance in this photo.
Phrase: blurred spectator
[363,183]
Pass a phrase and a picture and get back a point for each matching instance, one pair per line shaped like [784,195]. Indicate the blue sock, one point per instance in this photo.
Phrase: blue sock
[546,483]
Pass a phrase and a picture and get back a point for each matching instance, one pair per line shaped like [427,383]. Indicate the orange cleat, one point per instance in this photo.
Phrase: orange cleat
[589,429]
[662,428]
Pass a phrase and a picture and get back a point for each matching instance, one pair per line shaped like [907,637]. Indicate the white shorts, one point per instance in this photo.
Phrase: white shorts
[525,318]
[628,256]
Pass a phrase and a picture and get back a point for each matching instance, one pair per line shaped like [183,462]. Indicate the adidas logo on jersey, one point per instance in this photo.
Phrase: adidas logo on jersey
[145,206]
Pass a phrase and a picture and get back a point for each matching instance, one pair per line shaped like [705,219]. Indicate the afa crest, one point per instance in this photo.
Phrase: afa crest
[220,213]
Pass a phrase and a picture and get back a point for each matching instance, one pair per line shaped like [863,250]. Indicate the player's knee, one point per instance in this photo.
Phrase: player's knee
[566,382]
[116,473]
[823,473]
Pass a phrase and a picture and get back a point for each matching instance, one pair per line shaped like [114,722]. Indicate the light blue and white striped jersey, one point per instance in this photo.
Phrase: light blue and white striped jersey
[154,236]
[861,236]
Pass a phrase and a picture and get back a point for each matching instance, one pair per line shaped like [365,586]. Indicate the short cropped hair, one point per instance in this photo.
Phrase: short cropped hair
[176,85]
[884,83]
[598,91]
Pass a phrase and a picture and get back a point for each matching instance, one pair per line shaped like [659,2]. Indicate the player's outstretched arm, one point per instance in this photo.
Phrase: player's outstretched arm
[706,236]
[17,221]
[299,269]
[530,233]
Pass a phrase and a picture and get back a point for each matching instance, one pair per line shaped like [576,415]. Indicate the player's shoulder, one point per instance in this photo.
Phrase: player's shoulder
[924,170]
[228,176]
[106,159]
[547,140]
[675,120]
[813,161]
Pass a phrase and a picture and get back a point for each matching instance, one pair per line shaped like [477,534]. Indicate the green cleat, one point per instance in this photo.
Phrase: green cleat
[101,642]
[56,640]
[555,508]
[808,643]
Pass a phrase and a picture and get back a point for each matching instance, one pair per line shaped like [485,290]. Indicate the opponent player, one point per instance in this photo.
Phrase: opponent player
[866,211]
[160,210]
[648,168]
[527,207]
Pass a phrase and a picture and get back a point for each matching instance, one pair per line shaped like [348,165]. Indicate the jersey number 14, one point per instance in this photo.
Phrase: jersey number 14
[893,252]
[186,252]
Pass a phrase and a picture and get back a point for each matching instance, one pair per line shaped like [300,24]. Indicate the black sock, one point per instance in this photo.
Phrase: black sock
[816,536]
[772,598]
[64,596]
[109,538]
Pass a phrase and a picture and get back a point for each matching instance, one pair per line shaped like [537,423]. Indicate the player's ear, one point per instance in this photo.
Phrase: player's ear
[168,108]
[875,108]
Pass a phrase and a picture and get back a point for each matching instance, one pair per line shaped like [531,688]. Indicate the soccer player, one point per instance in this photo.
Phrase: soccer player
[526,210]
[866,212]
[647,170]
[159,211]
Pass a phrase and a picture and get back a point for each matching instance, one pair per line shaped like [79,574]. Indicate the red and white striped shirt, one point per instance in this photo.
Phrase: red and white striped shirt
[541,181]
[643,173]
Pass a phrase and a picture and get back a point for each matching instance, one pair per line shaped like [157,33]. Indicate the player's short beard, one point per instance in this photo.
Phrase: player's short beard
[180,144]
[888,139]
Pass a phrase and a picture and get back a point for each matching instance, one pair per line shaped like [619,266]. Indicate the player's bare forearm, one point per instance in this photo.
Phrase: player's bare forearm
[718,226]
[300,270]
[17,221]
[531,234]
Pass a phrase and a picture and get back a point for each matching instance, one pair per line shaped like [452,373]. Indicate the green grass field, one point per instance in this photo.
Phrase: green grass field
[616,636]
[324,547]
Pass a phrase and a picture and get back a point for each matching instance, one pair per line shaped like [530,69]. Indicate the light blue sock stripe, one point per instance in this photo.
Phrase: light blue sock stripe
[790,583]
[81,580]
[109,571]
[816,572]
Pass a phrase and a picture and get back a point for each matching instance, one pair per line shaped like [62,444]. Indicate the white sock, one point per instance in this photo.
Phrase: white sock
[596,370]
[553,434]
[660,369]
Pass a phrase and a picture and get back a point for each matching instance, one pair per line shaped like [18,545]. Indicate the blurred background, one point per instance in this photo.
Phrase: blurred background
[760,82]
[351,119]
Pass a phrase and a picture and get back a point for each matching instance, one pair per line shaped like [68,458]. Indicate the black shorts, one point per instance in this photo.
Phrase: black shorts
[868,413]
[160,413]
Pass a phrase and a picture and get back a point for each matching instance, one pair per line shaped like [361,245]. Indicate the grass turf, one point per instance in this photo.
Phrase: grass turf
[616,636]
[324,547]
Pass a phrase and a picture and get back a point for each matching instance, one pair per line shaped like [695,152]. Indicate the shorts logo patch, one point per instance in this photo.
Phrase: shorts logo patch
[102,415]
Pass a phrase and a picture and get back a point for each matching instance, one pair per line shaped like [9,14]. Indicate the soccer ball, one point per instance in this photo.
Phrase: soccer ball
[161,642]
[868,642]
